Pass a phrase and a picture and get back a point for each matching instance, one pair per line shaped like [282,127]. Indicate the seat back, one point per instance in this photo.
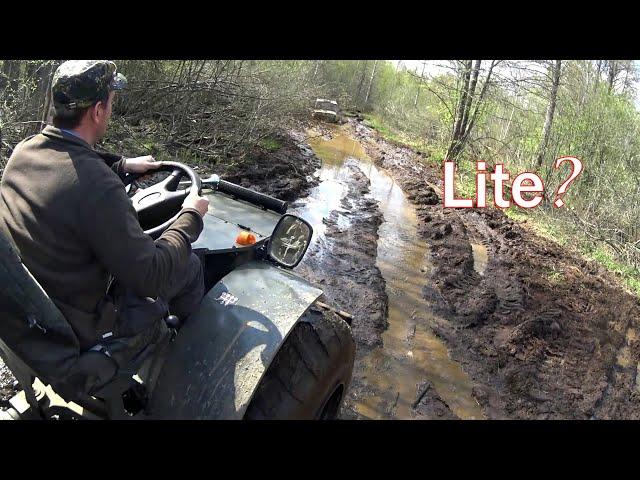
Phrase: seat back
[37,340]
[31,326]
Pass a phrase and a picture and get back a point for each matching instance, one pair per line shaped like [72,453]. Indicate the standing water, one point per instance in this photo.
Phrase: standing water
[410,353]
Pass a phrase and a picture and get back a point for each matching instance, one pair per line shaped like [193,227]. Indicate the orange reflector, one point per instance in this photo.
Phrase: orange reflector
[245,238]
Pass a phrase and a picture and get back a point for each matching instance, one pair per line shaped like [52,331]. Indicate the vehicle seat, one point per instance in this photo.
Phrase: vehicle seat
[36,340]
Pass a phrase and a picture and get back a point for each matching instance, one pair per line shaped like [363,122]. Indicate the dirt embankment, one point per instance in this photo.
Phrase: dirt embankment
[285,173]
[543,333]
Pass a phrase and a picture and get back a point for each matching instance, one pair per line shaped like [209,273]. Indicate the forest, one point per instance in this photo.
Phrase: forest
[520,113]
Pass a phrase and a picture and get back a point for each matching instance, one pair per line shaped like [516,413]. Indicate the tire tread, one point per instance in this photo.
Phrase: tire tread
[318,352]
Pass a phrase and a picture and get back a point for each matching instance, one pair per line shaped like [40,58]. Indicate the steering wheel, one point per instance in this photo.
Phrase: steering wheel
[152,203]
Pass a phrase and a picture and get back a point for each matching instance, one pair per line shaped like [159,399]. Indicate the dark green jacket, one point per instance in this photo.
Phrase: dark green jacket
[66,209]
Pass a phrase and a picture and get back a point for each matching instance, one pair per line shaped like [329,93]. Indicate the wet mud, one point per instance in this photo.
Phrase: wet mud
[343,262]
[286,173]
[366,251]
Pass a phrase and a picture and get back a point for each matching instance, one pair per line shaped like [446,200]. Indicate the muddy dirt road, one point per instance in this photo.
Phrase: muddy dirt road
[457,313]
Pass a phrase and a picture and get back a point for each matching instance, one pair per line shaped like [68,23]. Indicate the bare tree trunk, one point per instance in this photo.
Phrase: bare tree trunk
[505,132]
[467,131]
[614,69]
[364,71]
[11,72]
[462,100]
[4,74]
[42,94]
[465,120]
[373,74]
[415,101]
[470,95]
[548,121]
[47,111]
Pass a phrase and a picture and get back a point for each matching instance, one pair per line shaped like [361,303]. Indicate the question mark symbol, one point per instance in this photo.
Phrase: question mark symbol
[577,167]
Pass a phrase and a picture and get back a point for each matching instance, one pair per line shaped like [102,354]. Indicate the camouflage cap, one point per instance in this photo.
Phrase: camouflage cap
[80,83]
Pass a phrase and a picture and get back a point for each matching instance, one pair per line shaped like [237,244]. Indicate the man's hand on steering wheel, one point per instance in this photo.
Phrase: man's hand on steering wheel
[193,200]
[140,164]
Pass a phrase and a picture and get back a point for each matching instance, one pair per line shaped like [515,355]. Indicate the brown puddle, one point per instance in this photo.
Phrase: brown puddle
[410,352]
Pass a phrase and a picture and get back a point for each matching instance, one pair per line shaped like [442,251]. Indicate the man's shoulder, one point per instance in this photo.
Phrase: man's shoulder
[27,142]
[67,160]
[40,141]
[52,146]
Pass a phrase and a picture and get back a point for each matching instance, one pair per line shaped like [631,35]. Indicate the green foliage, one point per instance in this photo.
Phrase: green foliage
[270,143]
[217,110]
[556,230]
[592,121]
[630,275]
[555,277]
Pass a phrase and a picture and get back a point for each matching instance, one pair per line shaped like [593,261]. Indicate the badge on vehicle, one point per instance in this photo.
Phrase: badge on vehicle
[226,299]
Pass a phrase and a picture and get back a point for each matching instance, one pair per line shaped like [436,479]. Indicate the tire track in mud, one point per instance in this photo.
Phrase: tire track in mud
[543,333]
[343,263]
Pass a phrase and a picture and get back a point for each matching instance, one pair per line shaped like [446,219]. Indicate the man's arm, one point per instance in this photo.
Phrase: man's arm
[111,227]
[115,162]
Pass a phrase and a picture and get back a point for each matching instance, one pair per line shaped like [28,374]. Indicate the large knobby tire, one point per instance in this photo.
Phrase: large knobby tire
[311,373]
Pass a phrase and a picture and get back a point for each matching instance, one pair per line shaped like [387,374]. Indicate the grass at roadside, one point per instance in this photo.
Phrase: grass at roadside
[555,230]
[270,144]
[394,136]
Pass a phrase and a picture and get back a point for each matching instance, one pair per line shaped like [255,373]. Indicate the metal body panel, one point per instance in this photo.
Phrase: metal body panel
[224,349]
[221,222]
[220,236]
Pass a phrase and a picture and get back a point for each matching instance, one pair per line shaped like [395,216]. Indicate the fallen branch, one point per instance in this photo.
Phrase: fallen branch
[348,317]
[425,388]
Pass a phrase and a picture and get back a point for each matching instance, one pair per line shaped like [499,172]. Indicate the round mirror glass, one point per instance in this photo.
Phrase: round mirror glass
[290,240]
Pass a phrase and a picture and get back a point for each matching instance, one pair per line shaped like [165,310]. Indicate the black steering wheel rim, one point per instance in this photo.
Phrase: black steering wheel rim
[169,185]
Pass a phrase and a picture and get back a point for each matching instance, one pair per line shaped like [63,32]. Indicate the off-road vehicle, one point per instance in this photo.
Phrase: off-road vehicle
[327,110]
[261,346]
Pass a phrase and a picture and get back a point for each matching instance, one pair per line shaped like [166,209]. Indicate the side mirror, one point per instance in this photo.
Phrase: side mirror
[289,240]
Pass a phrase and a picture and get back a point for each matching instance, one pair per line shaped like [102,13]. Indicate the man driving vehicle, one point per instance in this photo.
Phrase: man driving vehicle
[64,205]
